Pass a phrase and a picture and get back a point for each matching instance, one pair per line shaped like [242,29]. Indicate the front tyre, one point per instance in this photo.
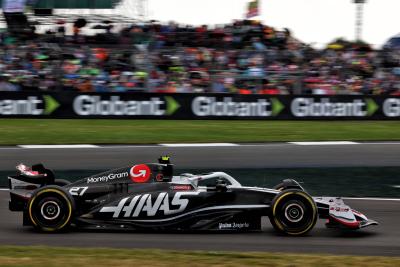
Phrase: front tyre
[50,209]
[293,212]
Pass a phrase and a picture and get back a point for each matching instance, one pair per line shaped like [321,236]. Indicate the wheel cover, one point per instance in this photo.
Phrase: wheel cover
[48,210]
[294,212]
[296,215]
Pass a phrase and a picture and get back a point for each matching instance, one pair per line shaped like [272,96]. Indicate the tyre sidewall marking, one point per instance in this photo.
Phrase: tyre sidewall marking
[280,226]
[54,191]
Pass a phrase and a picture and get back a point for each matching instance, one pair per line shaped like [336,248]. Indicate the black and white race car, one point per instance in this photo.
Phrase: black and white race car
[150,197]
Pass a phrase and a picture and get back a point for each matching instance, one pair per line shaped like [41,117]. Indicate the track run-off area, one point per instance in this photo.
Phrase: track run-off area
[380,240]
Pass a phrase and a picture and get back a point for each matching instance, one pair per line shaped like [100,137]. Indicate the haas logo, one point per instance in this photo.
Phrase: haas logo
[140,173]
[149,206]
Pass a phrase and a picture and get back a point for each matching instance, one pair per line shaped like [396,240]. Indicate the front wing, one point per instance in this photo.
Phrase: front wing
[340,215]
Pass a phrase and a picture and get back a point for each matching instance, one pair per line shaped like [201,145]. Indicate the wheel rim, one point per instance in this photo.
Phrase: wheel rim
[50,210]
[294,212]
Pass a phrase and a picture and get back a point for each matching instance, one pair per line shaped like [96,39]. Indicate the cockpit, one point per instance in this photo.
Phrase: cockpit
[208,181]
[205,181]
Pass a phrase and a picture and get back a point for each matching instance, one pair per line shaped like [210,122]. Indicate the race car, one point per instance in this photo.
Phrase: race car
[148,197]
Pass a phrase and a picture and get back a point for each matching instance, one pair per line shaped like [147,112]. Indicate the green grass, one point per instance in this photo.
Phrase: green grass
[46,256]
[39,131]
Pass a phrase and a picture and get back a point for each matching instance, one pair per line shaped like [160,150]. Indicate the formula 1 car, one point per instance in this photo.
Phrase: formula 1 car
[150,197]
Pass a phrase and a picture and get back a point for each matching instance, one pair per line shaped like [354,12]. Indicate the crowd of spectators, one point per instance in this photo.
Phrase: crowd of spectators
[244,57]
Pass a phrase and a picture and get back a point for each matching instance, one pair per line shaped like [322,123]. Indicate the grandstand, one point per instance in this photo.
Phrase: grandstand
[116,49]
[46,12]
[71,4]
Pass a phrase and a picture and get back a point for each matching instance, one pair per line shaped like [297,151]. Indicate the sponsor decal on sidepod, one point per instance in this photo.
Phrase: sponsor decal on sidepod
[182,187]
[107,178]
[233,225]
[144,203]
[140,173]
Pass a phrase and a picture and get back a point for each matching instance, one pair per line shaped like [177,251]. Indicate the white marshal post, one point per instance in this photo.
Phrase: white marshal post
[359,18]
[136,9]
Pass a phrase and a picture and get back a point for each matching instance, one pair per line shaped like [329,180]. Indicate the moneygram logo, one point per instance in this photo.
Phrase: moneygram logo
[324,107]
[140,173]
[228,107]
[31,105]
[86,105]
[107,178]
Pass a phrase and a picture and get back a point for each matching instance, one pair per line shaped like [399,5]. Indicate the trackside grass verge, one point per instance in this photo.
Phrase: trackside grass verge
[46,256]
[40,131]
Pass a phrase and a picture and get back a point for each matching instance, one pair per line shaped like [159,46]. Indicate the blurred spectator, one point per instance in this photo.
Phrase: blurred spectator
[243,57]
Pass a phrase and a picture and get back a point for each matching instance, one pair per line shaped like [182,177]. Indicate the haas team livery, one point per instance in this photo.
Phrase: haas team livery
[149,197]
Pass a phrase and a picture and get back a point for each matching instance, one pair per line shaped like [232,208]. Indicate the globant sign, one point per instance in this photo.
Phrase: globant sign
[210,106]
[391,107]
[86,105]
[324,107]
[191,106]
[27,105]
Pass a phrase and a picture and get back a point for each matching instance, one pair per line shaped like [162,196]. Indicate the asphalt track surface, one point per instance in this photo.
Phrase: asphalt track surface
[376,240]
[274,155]
[379,240]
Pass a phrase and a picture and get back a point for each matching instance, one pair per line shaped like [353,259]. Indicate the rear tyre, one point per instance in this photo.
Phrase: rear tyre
[50,209]
[293,212]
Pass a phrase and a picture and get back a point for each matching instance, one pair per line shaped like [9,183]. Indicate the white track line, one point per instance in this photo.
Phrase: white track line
[325,143]
[128,146]
[322,143]
[200,145]
[380,143]
[57,146]
[372,198]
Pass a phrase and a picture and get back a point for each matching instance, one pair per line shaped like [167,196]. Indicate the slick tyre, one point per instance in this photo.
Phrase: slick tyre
[50,209]
[293,212]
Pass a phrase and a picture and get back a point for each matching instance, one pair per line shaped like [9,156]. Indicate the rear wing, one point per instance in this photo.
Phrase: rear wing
[20,192]
[27,180]
[30,177]
[18,183]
